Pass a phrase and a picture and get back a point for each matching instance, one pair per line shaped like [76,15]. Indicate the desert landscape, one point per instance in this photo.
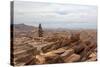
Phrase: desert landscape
[53,33]
[36,45]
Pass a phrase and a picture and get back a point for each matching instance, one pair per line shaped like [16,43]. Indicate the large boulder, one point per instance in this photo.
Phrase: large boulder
[72,58]
[24,53]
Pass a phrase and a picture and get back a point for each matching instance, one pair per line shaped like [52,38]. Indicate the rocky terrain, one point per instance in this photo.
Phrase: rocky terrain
[54,47]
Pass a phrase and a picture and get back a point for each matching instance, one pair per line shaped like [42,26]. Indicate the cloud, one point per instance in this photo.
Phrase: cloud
[33,13]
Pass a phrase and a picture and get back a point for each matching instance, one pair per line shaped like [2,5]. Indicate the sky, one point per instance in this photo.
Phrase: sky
[54,15]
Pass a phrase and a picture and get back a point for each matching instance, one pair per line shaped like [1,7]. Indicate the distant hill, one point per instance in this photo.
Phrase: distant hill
[23,27]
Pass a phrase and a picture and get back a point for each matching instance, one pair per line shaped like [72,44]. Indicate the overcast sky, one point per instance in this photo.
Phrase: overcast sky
[52,15]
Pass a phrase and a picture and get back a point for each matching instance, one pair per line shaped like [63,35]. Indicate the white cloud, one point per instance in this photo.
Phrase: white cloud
[50,13]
